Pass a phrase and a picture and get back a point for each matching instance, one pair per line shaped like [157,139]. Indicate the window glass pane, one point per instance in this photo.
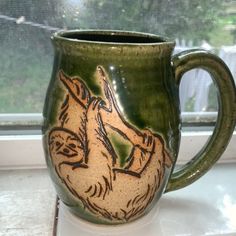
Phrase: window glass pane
[197,92]
[27,55]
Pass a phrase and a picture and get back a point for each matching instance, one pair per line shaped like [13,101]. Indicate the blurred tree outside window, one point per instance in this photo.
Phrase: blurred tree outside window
[26,53]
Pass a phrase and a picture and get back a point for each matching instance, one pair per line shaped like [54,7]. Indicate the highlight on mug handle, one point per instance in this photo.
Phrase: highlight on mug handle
[226,120]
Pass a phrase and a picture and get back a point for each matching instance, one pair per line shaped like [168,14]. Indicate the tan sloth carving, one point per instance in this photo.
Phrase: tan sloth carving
[85,158]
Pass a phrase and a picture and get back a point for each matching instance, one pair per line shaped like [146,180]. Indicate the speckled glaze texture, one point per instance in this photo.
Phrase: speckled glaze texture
[112,122]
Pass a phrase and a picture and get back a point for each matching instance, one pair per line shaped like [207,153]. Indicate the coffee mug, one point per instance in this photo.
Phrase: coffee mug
[112,121]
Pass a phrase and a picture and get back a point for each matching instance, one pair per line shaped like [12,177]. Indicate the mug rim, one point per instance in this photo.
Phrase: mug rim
[151,39]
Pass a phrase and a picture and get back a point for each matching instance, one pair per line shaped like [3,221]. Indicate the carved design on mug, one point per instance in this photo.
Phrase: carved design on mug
[86,161]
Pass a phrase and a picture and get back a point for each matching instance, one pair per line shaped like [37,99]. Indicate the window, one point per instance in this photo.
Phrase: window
[27,55]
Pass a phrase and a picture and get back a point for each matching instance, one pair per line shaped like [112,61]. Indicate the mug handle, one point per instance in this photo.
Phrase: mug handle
[226,120]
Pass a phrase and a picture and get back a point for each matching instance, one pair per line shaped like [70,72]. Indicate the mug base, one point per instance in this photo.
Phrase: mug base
[69,221]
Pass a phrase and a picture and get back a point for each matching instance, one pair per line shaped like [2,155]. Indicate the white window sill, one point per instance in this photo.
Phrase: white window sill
[26,151]
[27,203]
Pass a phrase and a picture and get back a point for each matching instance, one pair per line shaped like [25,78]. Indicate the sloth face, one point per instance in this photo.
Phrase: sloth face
[65,145]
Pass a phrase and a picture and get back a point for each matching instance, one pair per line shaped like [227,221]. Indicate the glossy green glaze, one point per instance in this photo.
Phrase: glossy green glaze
[128,82]
[225,125]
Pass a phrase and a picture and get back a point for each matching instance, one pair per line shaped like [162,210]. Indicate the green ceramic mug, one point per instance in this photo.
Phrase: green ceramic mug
[112,121]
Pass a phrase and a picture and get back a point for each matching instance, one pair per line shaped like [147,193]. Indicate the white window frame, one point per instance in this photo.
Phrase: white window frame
[26,151]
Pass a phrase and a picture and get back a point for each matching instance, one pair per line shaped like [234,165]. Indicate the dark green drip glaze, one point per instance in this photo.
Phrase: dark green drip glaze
[122,149]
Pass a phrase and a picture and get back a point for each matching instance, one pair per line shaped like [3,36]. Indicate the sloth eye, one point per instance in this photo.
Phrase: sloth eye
[57,143]
[65,150]
[72,145]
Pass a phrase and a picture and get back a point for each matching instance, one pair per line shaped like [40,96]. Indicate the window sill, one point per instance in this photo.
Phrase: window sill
[27,203]
[26,151]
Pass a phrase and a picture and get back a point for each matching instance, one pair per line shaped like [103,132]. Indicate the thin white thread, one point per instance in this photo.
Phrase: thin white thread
[41,26]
